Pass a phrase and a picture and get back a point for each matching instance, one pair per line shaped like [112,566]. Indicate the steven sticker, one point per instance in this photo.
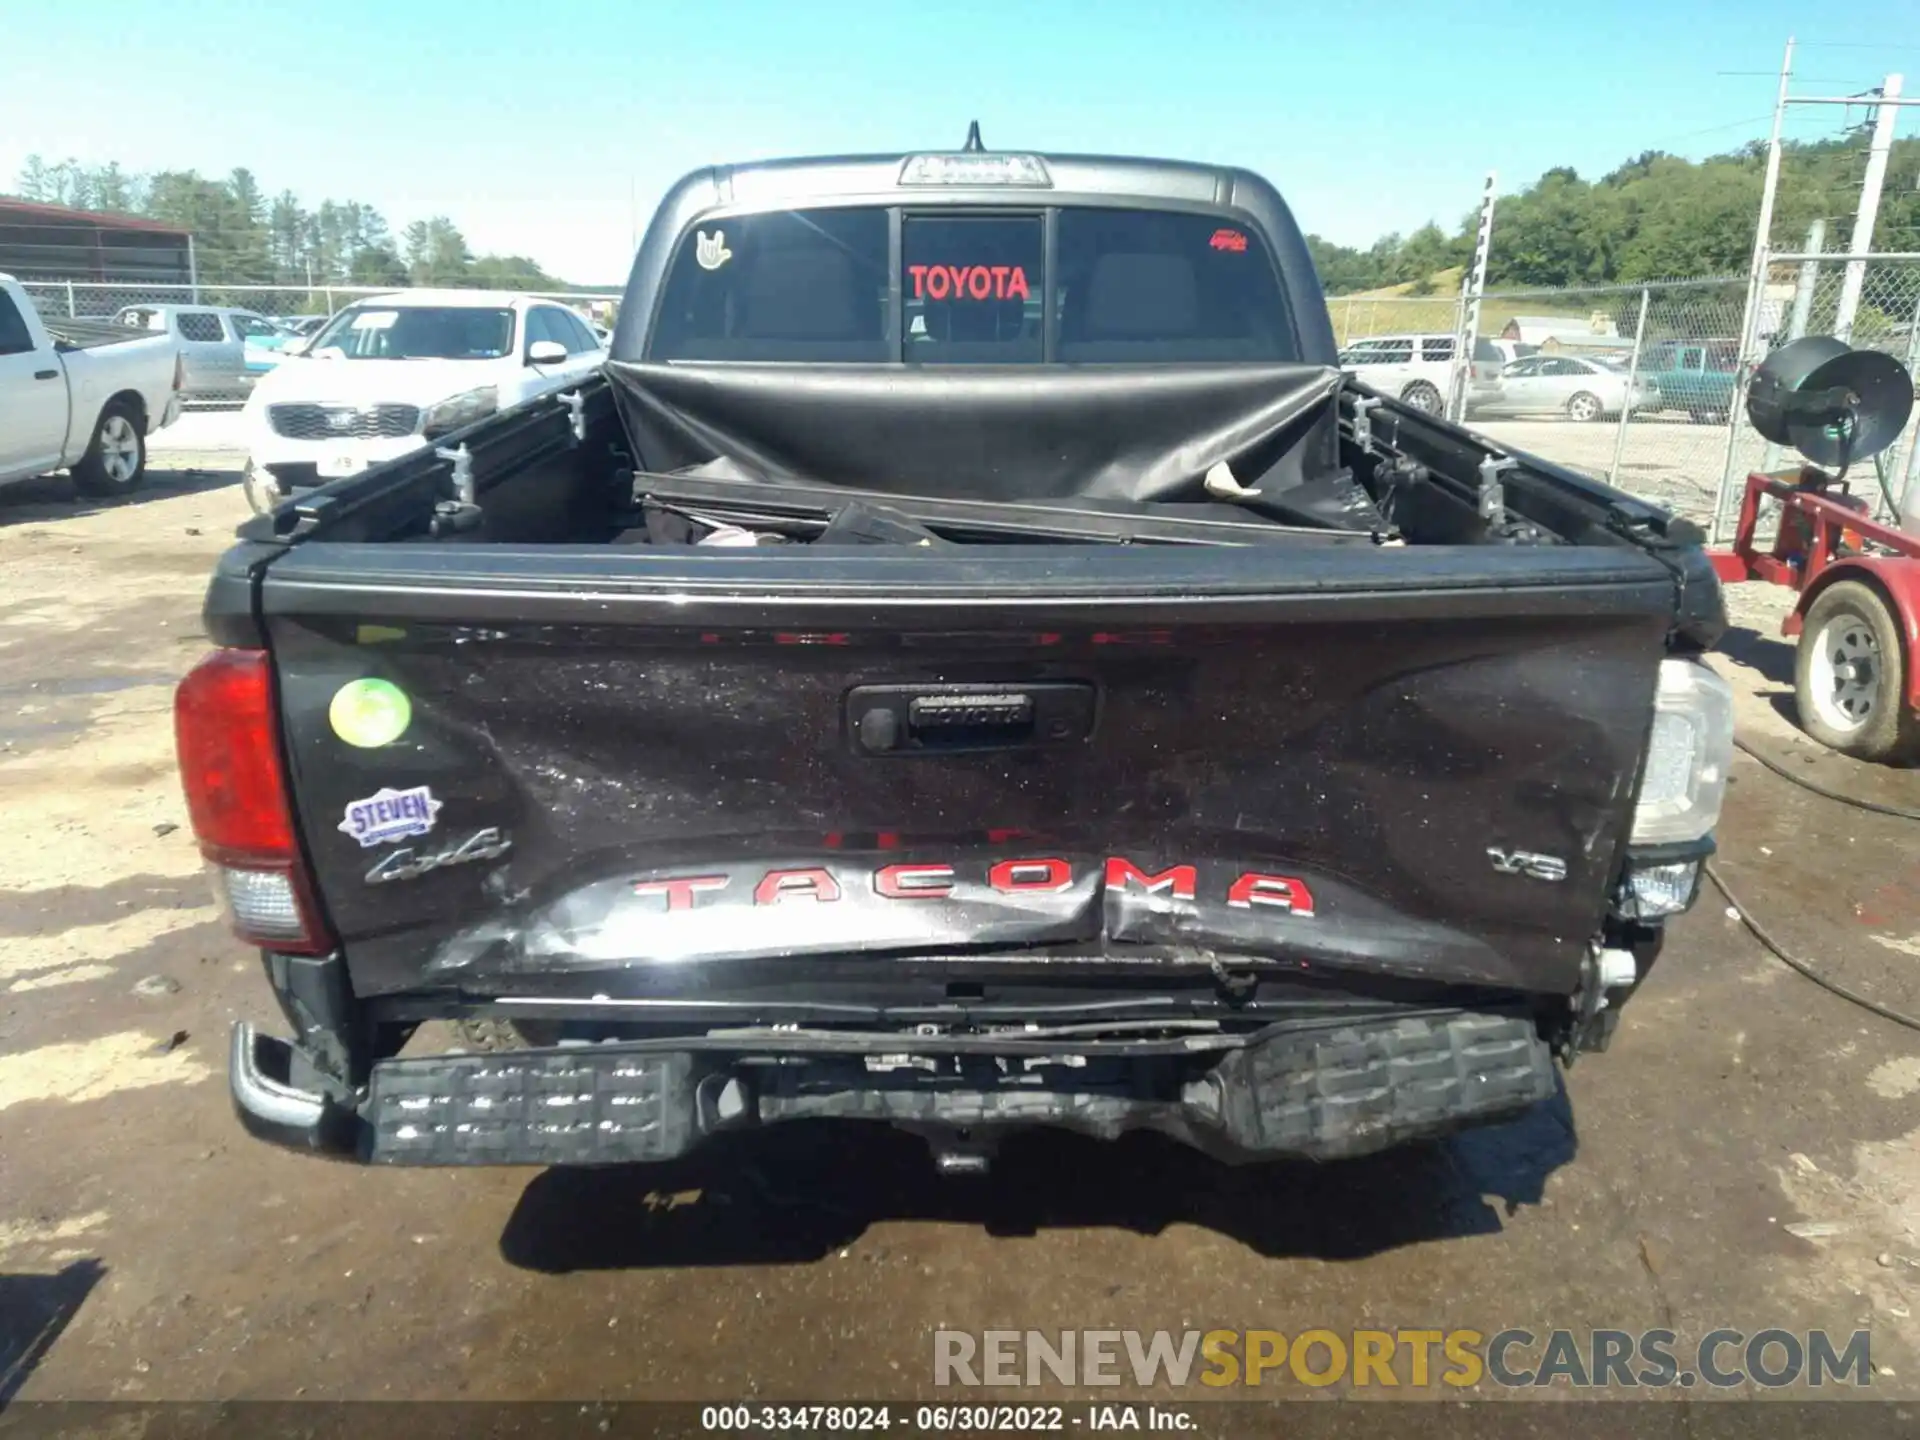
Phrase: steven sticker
[390,815]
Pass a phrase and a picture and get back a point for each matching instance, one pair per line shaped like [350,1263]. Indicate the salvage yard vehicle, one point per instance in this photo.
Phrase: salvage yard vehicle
[225,349]
[1700,377]
[81,396]
[1419,368]
[1085,708]
[1571,385]
[394,373]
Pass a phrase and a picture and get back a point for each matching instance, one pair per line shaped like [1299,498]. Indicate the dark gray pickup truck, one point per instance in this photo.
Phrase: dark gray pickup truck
[970,662]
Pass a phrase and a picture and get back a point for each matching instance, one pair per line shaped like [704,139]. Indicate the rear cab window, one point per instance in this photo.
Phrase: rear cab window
[967,287]
[972,290]
[15,339]
[1158,287]
[201,326]
[1384,352]
[796,285]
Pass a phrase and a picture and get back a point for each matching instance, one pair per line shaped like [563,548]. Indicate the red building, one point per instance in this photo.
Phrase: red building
[51,242]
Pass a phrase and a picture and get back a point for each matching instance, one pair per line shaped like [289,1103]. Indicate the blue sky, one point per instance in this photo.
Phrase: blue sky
[542,129]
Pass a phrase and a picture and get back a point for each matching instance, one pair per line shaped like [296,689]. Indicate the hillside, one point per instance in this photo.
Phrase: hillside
[1411,307]
[1655,217]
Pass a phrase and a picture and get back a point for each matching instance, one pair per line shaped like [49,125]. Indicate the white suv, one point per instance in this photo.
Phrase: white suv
[1416,368]
[391,374]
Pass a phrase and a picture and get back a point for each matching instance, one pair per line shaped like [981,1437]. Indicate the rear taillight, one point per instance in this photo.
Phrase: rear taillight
[225,726]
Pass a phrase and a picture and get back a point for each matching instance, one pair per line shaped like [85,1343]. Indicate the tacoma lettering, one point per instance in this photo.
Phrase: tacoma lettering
[1179,881]
[1038,875]
[914,882]
[680,891]
[778,885]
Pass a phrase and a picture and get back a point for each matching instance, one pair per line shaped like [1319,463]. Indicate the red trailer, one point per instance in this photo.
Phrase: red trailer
[1857,670]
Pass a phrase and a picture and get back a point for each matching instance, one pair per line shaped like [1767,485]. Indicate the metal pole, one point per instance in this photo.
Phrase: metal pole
[193,270]
[1756,288]
[1907,493]
[1910,490]
[1871,184]
[1803,291]
[1802,316]
[1633,376]
[1473,286]
[71,312]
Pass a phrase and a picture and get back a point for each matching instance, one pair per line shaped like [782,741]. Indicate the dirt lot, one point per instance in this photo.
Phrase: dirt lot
[149,1250]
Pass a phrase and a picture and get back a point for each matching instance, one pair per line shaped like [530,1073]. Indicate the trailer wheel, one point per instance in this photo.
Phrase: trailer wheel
[1850,675]
[116,458]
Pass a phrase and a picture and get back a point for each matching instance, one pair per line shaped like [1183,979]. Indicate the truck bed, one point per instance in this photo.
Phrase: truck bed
[89,334]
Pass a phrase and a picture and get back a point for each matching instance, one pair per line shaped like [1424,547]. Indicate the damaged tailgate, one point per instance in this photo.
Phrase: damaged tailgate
[630,775]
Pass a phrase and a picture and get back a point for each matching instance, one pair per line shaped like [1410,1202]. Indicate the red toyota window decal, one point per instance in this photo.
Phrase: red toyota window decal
[969,282]
[1229,240]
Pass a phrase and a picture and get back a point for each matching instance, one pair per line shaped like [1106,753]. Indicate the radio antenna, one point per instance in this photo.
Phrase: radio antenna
[973,145]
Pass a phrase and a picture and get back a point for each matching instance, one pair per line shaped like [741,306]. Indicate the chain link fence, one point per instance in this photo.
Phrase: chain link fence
[1634,384]
[95,300]
[1639,385]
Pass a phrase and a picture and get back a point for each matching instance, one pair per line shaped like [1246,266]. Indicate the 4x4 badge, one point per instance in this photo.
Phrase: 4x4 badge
[407,865]
[1530,863]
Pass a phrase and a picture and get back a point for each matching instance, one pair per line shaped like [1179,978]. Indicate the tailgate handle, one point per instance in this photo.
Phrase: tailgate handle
[921,719]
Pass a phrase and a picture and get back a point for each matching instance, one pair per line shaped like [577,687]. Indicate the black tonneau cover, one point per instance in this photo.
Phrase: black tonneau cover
[1008,434]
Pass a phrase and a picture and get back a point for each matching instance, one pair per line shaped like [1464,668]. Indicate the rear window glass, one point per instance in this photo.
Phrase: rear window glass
[14,339]
[1386,353]
[1139,286]
[793,285]
[971,288]
[201,328]
[1156,287]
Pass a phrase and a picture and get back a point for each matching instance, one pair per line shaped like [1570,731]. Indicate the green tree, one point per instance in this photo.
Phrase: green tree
[1342,268]
[377,265]
[287,240]
[511,272]
[437,252]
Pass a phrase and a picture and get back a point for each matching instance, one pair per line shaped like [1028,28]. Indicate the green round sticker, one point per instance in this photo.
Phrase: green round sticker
[370,713]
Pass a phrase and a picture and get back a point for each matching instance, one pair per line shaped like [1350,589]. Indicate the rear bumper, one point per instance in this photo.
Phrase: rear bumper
[273,1108]
[1316,1091]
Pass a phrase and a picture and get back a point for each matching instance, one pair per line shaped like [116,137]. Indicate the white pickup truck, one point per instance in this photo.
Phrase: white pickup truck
[80,395]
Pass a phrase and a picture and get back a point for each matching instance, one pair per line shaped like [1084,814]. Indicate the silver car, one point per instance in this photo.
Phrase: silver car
[225,349]
[1576,386]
